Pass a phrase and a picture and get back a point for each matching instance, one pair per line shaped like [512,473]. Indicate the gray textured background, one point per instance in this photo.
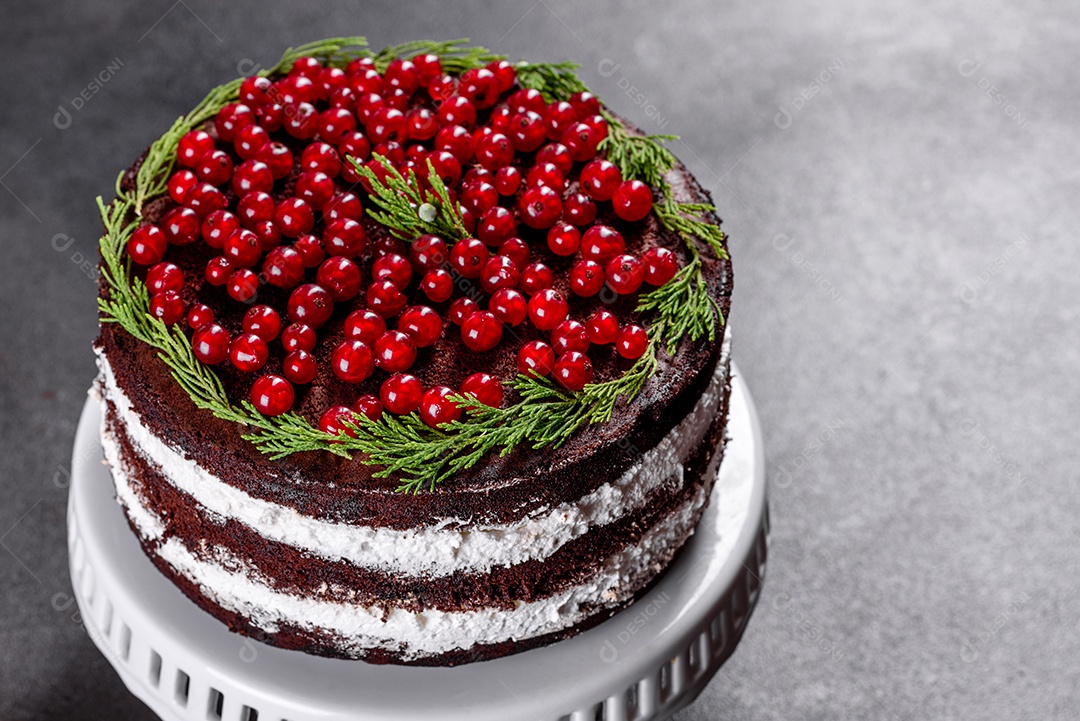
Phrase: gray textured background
[900,186]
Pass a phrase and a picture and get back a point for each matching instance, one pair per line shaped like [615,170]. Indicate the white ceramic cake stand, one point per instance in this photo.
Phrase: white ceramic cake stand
[644,663]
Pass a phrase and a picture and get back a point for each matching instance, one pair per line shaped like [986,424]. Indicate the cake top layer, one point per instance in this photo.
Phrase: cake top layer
[413,260]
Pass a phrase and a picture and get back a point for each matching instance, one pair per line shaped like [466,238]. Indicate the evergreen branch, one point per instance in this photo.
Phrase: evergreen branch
[638,157]
[408,209]
[684,218]
[454,55]
[336,52]
[555,81]
[421,456]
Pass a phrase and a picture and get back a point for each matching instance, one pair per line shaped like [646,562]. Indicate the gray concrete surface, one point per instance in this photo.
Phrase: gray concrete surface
[900,185]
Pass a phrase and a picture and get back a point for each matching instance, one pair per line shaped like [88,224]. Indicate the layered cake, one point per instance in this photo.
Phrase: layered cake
[417,356]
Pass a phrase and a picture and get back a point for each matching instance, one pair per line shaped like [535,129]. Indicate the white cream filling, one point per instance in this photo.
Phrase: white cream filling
[440,549]
[238,587]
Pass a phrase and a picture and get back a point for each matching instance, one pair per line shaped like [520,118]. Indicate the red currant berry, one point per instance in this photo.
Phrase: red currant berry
[536,358]
[438,285]
[402,74]
[215,167]
[570,336]
[369,405]
[231,118]
[573,370]
[600,179]
[210,344]
[293,217]
[192,146]
[252,176]
[334,123]
[661,265]
[180,226]
[633,200]
[457,110]
[586,278]
[218,226]
[422,124]
[556,154]
[242,249]
[394,267]
[352,361]
[468,257]
[632,342]
[625,274]
[310,249]
[395,351]
[387,125]
[547,309]
[385,298]
[507,180]
[278,158]
[164,276]
[579,210]
[480,86]
[254,208]
[447,167]
[525,100]
[602,243]
[310,304]
[267,233]
[272,395]
[599,126]
[545,174]
[316,188]
[496,225]
[526,131]
[218,271]
[168,306]
[494,151]
[540,207]
[481,331]
[422,324]
[517,251]
[298,336]
[581,140]
[505,75]
[499,272]
[343,206]
[200,315]
[603,327]
[367,104]
[180,183]
[364,325]
[344,237]
[461,309]
[388,245]
[557,118]
[585,103]
[564,239]
[242,285]
[338,420]
[483,387]
[401,393]
[340,276]
[535,277]
[248,352]
[250,141]
[263,321]
[456,140]
[301,120]
[283,267]
[271,116]
[442,87]
[147,245]
[428,67]
[436,408]
[306,67]
[300,367]
[428,252]
[509,306]
[205,198]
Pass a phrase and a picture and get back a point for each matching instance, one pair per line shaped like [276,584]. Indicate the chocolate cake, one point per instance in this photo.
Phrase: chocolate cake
[414,357]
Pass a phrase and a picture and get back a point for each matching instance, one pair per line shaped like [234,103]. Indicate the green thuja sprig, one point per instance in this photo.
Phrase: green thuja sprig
[408,209]
[454,55]
[555,81]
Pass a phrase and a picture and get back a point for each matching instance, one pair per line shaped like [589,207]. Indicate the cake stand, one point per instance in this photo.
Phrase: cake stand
[644,663]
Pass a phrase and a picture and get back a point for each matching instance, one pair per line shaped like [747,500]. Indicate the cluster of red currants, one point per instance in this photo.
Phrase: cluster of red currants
[311,242]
